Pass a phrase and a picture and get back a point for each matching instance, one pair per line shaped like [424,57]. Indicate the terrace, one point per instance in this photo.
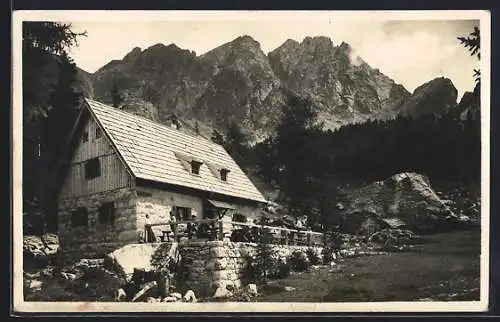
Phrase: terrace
[220,229]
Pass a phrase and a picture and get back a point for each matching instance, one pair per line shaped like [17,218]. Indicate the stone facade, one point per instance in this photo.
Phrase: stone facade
[95,239]
[214,264]
[158,203]
[131,206]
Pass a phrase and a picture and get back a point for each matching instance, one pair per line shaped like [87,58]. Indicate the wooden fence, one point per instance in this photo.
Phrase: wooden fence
[218,229]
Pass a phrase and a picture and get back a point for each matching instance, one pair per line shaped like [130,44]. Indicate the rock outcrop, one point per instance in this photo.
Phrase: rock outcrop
[436,97]
[344,88]
[407,197]
[127,258]
[45,245]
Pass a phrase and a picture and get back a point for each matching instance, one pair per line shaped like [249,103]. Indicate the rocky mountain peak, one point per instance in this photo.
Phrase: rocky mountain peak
[345,48]
[317,41]
[436,97]
[290,43]
[236,81]
[132,55]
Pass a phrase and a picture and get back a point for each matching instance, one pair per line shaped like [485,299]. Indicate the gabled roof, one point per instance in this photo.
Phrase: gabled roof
[156,152]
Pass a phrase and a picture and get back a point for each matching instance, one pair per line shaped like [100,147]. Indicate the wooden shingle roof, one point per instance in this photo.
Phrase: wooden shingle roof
[156,152]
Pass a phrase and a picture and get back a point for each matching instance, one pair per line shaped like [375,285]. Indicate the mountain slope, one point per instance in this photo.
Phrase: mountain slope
[340,85]
[238,82]
[437,96]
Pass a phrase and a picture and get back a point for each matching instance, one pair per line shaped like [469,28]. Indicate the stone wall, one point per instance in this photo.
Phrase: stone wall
[95,239]
[214,264]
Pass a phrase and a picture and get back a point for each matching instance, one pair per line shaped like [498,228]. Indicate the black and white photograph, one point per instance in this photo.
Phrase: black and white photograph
[225,161]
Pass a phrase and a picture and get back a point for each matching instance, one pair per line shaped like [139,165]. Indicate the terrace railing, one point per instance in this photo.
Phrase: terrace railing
[217,229]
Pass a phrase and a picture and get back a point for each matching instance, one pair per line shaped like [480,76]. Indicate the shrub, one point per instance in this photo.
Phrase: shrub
[283,270]
[250,273]
[335,240]
[327,254]
[312,256]
[299,261]
[265,261]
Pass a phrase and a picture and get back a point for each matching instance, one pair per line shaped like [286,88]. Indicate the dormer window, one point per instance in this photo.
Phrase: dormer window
[219,171]
[223,174]
[195,167]
[189,163]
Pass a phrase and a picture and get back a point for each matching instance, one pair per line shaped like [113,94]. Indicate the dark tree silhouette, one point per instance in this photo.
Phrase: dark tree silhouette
[473,44]
[47,73]
[217,137]
[235,143]
[61,116]
[116,97]
[197,128]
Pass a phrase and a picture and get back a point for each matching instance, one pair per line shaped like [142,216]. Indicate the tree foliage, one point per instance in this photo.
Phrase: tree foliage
[116,97]
[236,143]
[197,128]
[312,167]
[473,44]
[49,99]
[217,137]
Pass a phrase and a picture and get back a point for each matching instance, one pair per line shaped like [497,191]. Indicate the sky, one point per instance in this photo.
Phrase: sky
[411,52]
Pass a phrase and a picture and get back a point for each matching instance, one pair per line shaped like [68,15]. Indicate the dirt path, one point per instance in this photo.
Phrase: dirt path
[446,269]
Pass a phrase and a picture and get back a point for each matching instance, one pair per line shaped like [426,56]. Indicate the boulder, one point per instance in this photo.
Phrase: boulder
[35,285]
[68,276]
[39,251]
[120,295]
[190,297]
[176,295]
[138,256]
[405,198]
[127,258]
[221,293]
[170,299]
[40,246]
[48,271]
[252,289]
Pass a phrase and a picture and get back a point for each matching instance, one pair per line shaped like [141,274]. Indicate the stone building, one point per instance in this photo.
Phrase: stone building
[120,167]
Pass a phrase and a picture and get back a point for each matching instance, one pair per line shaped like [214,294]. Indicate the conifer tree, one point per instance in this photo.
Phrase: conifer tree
[42,44]
[197,128]
[235,143]
[116,97]
[264,254]
[217,137]
[473,44]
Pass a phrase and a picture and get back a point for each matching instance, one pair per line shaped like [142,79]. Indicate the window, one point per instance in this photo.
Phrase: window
[141,193]
[92,168]
[195,167]
[79,217]
[223,174]
[85,136]
[98,132]
[107,213]
[239,218]
[182,213]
